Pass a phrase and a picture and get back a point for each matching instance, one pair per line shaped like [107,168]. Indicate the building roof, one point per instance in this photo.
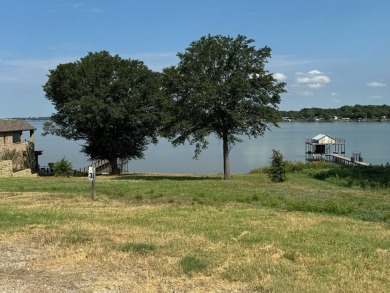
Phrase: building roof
[326,139]
[318,136]
[12,125]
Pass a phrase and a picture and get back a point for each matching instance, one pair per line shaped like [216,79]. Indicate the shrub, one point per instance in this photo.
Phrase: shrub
[278,168]
[372,177]
[297,167]
[62,168]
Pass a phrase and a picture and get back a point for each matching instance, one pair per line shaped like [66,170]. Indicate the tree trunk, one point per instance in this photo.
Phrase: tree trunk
[114,166]
[226,163]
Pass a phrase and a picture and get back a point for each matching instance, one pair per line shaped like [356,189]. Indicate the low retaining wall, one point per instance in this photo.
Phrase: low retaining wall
[24,173]
[6,170]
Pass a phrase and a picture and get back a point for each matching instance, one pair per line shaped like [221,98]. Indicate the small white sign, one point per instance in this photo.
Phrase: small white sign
[91,173]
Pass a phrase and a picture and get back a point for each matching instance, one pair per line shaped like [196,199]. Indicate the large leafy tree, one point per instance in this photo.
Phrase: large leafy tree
[109,102]
[221,87]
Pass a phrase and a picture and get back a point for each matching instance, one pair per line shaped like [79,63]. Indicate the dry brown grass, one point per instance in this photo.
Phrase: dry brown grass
[41,259]
[81,248]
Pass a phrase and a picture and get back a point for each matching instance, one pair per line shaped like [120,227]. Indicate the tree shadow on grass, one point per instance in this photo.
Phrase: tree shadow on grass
[173,177]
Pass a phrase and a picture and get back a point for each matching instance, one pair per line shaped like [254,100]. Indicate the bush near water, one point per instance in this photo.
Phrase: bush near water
[371,177]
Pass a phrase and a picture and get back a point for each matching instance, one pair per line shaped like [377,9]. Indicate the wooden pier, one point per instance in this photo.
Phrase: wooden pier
[340,158]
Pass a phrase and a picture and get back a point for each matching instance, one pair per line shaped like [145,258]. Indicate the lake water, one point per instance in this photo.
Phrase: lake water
[370,138]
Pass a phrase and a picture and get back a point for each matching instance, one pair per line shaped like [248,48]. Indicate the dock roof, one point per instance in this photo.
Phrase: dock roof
[12,125]
[319,136]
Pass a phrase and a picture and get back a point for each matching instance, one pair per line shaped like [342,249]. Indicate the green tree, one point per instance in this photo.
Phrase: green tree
[278,168]
[221,87]
[107,101]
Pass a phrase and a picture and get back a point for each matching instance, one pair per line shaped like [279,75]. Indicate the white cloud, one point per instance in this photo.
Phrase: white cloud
[334,94]
[279,76]
[27,72]
[376,97]
[376,84]
[314,85]
[313,79]
[306,94]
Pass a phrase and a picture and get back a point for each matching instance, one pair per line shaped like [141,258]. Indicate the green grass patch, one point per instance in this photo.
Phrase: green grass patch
[77,236]
[12,218]
[142,248]
[302,192]
[302,235]
[191,264]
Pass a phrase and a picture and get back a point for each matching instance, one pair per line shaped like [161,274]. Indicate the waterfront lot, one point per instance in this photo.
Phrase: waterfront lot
[160,233]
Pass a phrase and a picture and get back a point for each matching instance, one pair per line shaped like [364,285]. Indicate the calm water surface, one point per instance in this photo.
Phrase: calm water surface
[369,138]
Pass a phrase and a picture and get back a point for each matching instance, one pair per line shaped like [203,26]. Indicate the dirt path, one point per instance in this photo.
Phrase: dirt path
[19,273]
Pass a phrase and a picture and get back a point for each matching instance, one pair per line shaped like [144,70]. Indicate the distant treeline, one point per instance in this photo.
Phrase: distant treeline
[357,112]
[32,118]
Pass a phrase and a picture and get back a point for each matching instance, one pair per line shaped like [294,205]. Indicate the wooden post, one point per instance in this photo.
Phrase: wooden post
[93,190]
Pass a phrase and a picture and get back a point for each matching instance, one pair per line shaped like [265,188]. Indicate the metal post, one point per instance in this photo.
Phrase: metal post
[91,177]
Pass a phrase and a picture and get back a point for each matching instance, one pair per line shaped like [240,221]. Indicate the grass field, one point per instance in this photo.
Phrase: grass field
[165,233]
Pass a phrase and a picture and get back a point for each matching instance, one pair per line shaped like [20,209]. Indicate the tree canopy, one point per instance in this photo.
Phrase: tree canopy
[109,102]
[221,87]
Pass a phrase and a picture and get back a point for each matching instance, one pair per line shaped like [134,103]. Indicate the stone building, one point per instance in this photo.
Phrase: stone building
[17,144]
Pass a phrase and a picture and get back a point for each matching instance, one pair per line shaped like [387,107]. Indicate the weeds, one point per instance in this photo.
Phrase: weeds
[141,248]
[297,167]
[76,236]
[372,177]
[192,264]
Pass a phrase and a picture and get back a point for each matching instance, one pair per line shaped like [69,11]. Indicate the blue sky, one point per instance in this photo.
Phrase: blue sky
[330,53]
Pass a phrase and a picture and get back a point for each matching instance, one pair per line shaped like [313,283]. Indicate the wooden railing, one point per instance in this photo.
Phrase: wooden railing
[100,165]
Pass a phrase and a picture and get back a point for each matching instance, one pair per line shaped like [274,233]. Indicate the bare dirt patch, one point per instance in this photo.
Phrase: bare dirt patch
[27,266]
